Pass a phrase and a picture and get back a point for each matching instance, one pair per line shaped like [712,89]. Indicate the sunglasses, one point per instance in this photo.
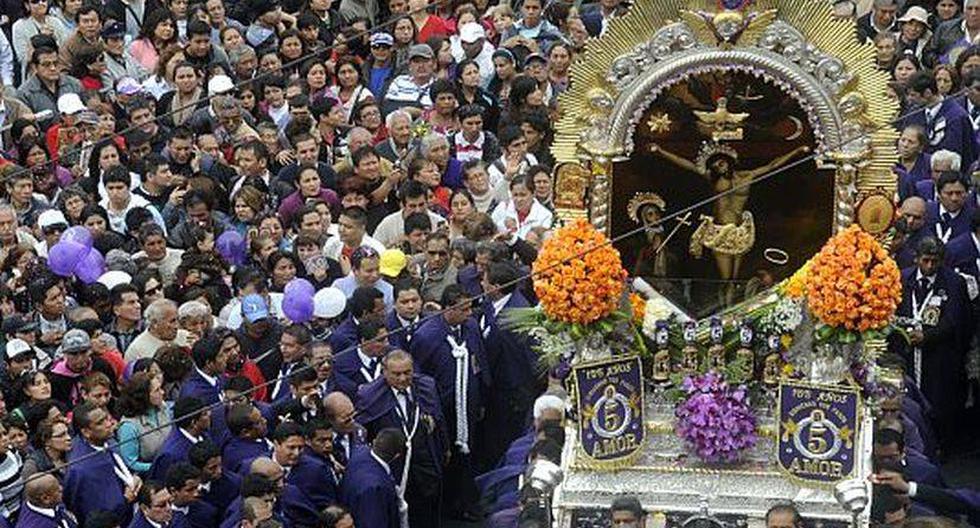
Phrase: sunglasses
[152,291]
[438,253]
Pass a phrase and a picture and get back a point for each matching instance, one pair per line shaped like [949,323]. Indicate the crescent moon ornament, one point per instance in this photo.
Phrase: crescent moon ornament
[799,129]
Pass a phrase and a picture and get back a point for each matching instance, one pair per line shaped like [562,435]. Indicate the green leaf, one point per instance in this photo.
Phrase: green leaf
[824,332]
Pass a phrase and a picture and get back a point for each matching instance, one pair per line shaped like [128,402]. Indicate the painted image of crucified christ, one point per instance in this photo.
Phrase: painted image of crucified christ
[730,231]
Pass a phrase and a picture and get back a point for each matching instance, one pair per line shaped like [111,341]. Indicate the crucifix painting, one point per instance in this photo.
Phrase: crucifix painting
[716,140]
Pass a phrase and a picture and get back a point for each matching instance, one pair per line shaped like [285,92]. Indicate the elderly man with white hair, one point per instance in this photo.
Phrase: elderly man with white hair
[195,317]
[162,330]
[942,161]
[399,125]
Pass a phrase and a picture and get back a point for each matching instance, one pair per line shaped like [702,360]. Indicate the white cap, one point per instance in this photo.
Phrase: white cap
[111,279]
[916,13]
[220,84]
[329,303]
[70,103]
[471,32]
[16,347]
[51,217]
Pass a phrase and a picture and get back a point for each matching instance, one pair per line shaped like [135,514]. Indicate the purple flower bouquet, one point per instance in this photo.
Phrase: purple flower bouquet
[714,419]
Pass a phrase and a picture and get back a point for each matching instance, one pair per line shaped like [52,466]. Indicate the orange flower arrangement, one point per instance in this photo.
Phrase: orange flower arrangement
[639,306]
[579,277]
[852,283]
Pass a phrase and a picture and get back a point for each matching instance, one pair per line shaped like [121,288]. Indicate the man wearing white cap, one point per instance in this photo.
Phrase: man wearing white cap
[51,224]
[472,44]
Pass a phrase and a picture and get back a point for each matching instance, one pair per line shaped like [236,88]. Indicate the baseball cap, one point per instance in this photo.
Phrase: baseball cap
[254,308]
[392,262]
[70,103]
[535,57]
[16,347]
[220,84]
[75,341]
[50,218]
[329,303]
[471,32]
[382,39]
[88,117]
[420,50]
[128,86]
[17,323]
[113,29]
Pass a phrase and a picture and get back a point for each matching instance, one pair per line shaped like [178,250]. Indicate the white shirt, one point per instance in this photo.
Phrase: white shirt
[538,216]
[392,227]
[334,246]
[117,219]
[500,303]
[484,60]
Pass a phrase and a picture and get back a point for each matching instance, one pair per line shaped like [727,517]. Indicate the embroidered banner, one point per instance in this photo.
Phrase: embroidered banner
[610,400]
[818,427]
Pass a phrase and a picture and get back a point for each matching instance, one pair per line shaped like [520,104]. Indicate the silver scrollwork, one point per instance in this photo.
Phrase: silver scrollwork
[783,39]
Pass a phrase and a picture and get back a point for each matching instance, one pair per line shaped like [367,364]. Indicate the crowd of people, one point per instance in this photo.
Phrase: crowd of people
[397,156]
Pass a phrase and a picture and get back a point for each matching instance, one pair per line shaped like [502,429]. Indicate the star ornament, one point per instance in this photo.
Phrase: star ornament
[659,123]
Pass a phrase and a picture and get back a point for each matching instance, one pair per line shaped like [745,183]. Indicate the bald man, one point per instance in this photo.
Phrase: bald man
[295,506]
[43,507]
[349,436]
[913,214]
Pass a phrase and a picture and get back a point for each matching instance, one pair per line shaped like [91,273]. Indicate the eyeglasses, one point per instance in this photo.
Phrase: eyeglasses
[152,291]
[434,253]
[48,64]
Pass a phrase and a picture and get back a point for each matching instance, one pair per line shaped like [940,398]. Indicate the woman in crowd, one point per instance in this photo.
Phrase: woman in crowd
[309,187]
[348,90]
[159,32]
[50,444]
[145,421]
[176,107]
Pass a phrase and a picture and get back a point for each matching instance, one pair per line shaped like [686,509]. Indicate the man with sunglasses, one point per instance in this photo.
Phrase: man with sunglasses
[42,89]
[437,272]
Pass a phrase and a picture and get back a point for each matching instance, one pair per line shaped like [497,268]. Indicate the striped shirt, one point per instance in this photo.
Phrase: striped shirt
[11,485]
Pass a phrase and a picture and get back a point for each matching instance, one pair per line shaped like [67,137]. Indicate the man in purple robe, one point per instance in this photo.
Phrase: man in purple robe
[97,477]
[155,507]
[193,420]
[369,487]
[517,380]
[946,123]
[248,429]
[362,365]
[211,354]
[316,473]
[184,483]
[949,216]
[349,436]
[219,488]
[449,348]
[404,317]
[365,303]
[402,399]
[42,506]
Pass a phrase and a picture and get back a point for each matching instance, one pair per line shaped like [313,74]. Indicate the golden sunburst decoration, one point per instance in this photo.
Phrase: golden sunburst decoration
[659,123]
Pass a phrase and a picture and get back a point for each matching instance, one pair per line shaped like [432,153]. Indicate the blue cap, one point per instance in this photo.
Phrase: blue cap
[254,308]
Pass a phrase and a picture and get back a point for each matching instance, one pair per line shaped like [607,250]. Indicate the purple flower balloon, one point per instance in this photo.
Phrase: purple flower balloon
[78,234]
[297,306]
[715,420]
[231,247]
[65,256]
[299,286]
[91,267]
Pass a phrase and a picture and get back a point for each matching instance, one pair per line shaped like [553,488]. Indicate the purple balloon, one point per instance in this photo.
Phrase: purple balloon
[78,234]
[299,286]
[91,267]
[297,307]
[65,256]
[231,247]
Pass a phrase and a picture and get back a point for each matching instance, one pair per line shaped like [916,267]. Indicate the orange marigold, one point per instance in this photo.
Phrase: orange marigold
[574,287]
[639,306]
[853,283]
